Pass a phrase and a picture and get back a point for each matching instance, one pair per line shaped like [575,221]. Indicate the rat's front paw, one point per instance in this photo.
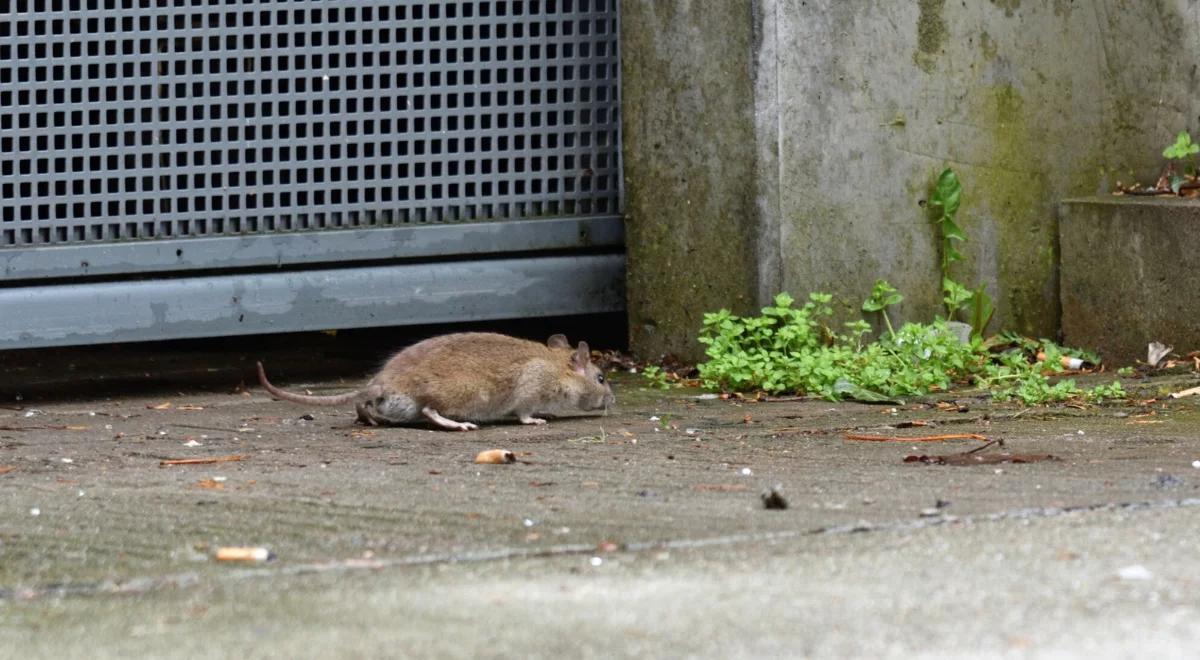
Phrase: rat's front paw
[526,419]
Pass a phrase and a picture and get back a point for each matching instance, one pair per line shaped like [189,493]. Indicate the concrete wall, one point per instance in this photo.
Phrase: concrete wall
[810,133]
[1129,277]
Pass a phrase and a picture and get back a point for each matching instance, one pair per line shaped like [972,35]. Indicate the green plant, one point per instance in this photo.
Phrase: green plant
[883,295]
[1182,148]
[944,204]
[1125,372]
[656,377]
[790,349]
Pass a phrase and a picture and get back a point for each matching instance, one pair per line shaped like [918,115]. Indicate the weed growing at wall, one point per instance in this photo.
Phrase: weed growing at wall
[792,350]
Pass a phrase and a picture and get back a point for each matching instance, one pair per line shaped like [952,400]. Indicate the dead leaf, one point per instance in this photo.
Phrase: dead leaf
[541,484]
[5,469]
[210,484]
[362,433]
[747,419]
[720,488]
[980,459]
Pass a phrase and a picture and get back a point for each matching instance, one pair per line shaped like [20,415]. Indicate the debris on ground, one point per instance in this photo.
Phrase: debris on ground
[917,438]
[1135,572]
[1165,480]
[5,469]
[1191,391]
[976,457]
[243,554]
[496,456]
[720,488]
[1156,352]
[203,461]
[773,499]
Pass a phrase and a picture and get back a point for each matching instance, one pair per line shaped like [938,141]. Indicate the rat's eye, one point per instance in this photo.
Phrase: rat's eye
[600,378]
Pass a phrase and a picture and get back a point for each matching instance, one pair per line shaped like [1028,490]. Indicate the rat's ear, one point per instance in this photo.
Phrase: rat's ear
[581,358]
[558,341]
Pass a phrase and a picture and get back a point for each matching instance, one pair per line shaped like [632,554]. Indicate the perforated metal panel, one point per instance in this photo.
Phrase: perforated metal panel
[133,119]
[147,136]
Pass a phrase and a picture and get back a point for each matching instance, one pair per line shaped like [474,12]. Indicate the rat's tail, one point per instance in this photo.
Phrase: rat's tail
[308,399]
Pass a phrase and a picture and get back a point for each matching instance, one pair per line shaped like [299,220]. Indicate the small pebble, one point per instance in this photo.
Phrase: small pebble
[35,511]
[774,500]
[596,561]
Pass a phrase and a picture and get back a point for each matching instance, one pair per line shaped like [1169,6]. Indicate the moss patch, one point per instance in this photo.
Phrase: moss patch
[1017,194]
[1010,7]
[931,33]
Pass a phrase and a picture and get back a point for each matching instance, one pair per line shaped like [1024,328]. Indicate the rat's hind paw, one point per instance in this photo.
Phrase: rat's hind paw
[446,423]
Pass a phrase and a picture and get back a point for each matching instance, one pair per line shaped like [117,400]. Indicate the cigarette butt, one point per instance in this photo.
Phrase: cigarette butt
[496,456]
[1068,362]
[243,554]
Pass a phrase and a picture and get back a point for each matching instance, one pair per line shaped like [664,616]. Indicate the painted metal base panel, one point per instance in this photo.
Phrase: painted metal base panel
[472,239]
[148,310]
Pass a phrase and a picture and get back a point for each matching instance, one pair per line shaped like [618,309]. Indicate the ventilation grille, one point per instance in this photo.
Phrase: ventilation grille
[135,119]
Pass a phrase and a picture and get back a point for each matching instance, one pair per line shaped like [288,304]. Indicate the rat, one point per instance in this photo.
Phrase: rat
[457,379]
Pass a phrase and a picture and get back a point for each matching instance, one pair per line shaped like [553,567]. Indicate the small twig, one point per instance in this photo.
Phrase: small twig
[919,438]
[985,446]
[202,461]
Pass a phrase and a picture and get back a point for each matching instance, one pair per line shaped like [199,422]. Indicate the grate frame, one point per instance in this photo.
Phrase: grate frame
[143,127]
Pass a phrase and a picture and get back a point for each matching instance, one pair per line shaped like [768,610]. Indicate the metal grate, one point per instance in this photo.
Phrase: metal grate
[137,119]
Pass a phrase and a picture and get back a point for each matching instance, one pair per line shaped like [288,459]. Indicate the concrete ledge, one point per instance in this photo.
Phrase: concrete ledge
[1129,275]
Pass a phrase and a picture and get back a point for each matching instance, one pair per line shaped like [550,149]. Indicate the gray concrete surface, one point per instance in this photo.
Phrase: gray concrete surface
[1125,262]
[815,130]
[613,536]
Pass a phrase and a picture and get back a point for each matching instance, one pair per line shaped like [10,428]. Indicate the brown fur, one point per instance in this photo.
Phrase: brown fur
[474,376]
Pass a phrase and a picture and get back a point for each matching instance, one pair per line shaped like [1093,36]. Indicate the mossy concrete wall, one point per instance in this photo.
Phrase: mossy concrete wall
[690,160]
[801,138]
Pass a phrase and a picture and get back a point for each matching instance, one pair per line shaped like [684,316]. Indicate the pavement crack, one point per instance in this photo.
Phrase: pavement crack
[144,584]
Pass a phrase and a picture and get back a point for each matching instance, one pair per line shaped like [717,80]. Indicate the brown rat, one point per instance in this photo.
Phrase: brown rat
[473,376]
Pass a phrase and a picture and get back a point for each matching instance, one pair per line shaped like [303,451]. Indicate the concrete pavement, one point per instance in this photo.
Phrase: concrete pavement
[638,533]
